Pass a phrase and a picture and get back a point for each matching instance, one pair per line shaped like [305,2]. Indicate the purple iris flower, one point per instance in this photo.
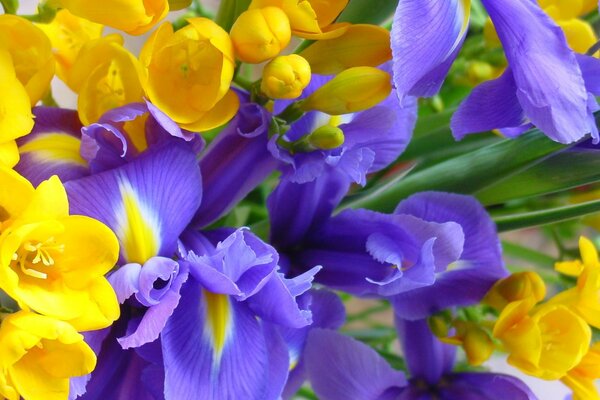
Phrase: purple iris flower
[543,85]
[223,340]
[373,138]
[342,368]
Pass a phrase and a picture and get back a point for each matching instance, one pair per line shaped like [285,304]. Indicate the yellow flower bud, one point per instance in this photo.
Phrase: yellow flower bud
[68,34]
[188,74]
[518,286]
[39,355]
[352,90]
[51,262]
[474,340]
[260,34]
[285,77]
[31,55]
[132,16]
[326,137]
[106,76]
[546,344]
[360,45]
[310,19]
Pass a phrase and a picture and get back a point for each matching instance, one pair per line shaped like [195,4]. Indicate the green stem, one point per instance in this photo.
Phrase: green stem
[10,6]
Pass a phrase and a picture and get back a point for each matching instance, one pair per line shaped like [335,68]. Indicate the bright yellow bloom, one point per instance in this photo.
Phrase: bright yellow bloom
[474,340]
[581,378]
[38,356]
[285,77]
[68,34]
[260,34]
[132,16]
[310,19]
[51,262]
[546,342]
[352,90]
[189,73]
[584,299]
[31,55]
[360,45]
[106,76]
[518,286]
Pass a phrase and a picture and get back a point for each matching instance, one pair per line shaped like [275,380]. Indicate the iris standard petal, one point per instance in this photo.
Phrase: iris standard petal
[147,203]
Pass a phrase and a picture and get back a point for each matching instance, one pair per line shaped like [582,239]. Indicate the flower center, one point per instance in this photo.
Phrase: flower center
[33,256]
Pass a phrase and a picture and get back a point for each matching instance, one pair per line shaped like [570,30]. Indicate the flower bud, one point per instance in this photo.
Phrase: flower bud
[518,286]
[285,77]
[260,34]
[355,89]
[327,137]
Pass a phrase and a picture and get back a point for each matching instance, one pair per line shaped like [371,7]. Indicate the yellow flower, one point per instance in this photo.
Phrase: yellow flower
[31,54]
[352,90]
[581,379]
[285,77]
[474,340]
[106,76]
[518,286]
[359,46]
[260,34]
[310,19]
[9,154]
[546,342]
[68,34]
[188,74]
[51,262]
[584,299]
[132,16]
[38,356]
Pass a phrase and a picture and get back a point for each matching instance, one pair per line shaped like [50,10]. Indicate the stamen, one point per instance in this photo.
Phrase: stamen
[41,253]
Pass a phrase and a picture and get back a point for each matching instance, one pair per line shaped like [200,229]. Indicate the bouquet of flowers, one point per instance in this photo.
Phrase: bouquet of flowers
[311,199]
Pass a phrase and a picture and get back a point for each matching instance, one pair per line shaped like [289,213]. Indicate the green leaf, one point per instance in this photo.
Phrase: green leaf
[467,173]
[368,11]
[560,172]
[228,12]
[549,216]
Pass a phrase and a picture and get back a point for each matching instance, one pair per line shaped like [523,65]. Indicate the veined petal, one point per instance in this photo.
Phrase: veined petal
[147,203]
[422,54]
[52,147]
[550,87]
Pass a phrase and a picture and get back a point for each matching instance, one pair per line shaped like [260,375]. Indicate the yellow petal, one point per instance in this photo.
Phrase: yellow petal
[9,154]
[219,115]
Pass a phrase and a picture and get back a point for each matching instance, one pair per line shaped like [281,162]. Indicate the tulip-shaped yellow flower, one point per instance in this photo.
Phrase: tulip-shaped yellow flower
[188,74]
[31,55]
[581,379]
[68,34]
[51,262]
[260,34]
[584,299]
[359,46]
[352,90]
[38,355]
[285,77]
[310,19]
[132,16]
[106,76]
[518,286]
[546,342]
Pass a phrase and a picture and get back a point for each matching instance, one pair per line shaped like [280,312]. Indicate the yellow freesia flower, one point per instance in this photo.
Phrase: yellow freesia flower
[518,286]
[51,262]
[310,19]
[38,356]
[31,55]
[545,342]
[581,379]
[68,34]
[188,74]
[285,77]
[584,299]
[132,16]
[106,76]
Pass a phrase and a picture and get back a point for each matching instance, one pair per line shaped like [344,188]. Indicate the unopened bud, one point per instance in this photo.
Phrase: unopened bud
[285,77]
[327,137]
[260,34]
[355,89]
[518,286]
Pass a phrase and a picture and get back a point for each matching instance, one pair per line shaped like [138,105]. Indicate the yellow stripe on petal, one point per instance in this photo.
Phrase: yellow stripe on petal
[219,322]
[57,147]
[139,232]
